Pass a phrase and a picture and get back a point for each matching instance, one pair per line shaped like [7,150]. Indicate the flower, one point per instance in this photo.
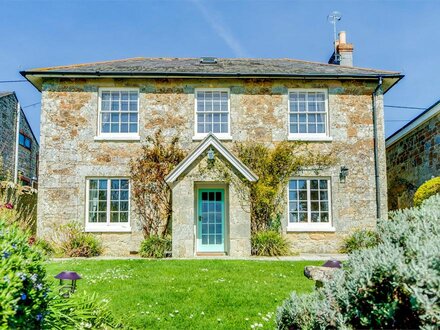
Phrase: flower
[34,277]
[23,296]
[39,286]
[9,206]
[39,317]
[6,254]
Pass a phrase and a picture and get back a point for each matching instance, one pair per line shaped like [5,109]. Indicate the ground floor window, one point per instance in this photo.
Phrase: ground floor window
[108,201]
[309,201]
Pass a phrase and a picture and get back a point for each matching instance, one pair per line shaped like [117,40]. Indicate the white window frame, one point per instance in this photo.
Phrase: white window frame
[220,136]
[116,136]
[311,226]
[107,226]
[309,136]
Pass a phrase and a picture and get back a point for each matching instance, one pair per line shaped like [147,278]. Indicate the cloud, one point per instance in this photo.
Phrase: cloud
[221,31]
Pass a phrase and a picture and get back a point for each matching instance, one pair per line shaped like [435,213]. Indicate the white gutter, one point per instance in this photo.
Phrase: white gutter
[17,136]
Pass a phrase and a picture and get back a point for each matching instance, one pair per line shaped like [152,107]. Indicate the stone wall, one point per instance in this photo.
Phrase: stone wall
[27,159]
[259,108]
[8,114]
[412,160]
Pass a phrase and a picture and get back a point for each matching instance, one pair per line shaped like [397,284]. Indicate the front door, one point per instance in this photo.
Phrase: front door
[211,220]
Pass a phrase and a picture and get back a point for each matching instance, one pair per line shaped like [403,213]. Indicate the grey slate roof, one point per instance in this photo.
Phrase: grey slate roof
[224,66]
[2,94]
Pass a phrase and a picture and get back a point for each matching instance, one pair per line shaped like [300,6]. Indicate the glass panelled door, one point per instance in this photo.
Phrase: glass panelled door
[211,220]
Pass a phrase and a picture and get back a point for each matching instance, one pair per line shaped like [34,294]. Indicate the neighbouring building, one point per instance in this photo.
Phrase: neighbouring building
[19,149]
[413,156]
[95,117]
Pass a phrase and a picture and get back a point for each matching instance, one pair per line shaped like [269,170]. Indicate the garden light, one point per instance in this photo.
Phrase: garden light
[332,264]
[67,289]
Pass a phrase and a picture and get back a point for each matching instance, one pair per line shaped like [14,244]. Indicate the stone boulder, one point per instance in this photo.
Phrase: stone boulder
[319,274]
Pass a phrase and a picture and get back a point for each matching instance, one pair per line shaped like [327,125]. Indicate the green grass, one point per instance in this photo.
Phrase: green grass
[196,294]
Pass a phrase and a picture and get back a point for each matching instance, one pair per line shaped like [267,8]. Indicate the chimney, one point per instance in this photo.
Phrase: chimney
[344,51]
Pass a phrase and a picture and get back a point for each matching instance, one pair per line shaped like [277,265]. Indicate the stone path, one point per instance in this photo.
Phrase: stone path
[300,257]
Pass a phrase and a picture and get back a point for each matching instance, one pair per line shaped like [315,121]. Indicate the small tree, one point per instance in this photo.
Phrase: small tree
[274,167]
[150,192]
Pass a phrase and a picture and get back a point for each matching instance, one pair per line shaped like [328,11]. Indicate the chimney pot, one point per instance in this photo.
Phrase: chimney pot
[342,37]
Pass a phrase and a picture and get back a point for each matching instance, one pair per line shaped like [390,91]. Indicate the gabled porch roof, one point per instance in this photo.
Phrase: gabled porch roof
[208,141]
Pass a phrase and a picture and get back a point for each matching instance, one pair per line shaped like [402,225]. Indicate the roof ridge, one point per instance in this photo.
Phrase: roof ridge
[85,64]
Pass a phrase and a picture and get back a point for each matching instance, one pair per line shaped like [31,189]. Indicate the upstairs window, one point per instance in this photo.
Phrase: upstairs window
[25,141]
[308,112]
[119,112]
[212,112]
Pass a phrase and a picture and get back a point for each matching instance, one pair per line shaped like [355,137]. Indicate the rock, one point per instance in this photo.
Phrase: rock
[319,274]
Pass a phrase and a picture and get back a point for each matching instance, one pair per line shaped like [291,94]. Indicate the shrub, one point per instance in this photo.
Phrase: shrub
[360,239]
[155,247]
[269,243]
[393,285]
[426,190]
[23,200]
[23,286]
[72,241]
[79,311]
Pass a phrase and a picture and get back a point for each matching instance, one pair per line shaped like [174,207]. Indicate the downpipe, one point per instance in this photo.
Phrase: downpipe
[377,91]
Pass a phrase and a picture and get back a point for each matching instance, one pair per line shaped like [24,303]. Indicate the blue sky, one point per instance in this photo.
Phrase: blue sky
[391,35]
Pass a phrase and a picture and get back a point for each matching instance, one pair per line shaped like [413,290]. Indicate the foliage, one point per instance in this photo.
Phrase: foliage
[155,247]
[23,287]
[79,311]
[24,202]
[360,239]
[150,192]
[269,243]
[72,241]
[426,190]
[274,167]
[393,285]
[190,294]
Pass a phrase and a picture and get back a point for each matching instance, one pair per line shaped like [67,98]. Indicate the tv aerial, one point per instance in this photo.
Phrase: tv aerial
[332,18]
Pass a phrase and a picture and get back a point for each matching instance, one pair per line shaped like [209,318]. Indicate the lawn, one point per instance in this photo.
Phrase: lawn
[196,294]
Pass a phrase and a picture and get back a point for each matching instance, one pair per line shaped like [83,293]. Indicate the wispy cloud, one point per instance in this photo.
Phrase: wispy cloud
[221,31]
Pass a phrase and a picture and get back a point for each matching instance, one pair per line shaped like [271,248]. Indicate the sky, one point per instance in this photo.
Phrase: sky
[394,35]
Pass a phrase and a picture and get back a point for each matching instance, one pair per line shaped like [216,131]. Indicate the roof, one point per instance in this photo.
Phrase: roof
[208,141]
[192,67]
[3,94]
[413,124]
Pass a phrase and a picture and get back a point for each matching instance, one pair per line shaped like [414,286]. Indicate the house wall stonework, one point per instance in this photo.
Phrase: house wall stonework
[412,160]
[8,113]
[27,159]
[259,113]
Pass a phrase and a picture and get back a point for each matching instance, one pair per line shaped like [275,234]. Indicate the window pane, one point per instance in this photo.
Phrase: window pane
[114,217]
[123,217]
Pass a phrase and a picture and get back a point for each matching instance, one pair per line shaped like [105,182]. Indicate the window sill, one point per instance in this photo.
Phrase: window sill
[107,229]
[224,137]
[304,228]
[117,138]
[309,137]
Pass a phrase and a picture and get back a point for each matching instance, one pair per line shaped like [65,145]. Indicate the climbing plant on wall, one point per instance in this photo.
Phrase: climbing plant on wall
[274,166]
[150,192]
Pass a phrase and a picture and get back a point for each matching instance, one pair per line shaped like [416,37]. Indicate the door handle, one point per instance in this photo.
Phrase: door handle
[200,218]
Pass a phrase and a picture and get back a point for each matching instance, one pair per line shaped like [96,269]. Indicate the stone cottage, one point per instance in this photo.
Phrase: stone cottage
[19,148]
[413,156]
[95,117]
